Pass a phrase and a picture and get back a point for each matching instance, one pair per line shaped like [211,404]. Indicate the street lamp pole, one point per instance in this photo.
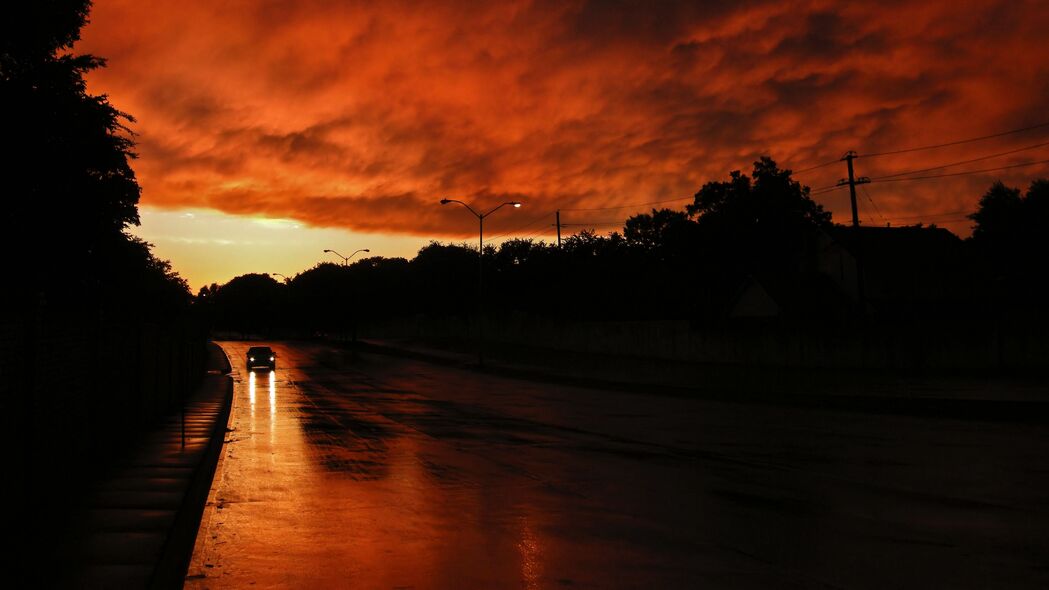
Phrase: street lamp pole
[480,269]
[346,259]
[346,262]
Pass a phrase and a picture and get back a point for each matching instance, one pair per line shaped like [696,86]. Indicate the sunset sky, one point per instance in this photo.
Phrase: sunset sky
[270,130]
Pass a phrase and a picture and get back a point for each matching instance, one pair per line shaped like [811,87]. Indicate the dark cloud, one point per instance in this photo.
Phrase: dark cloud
[362,115]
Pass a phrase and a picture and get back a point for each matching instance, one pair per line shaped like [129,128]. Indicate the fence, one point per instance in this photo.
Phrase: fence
[77,387]
[962,345]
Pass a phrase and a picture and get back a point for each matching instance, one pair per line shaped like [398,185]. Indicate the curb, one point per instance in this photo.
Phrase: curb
[135,526]
[174,561]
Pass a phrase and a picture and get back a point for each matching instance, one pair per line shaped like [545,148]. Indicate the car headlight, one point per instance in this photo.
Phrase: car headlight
[271,358]
[251,358]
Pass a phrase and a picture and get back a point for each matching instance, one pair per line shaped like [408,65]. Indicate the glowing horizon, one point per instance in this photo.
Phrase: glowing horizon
[208,246]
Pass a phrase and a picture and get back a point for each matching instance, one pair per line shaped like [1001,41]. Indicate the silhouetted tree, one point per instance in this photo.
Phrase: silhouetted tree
[248,303]
[445,276]
[379,288]
[773,197]
[66,165]
[664,231]
[761,223]
[524,276]
[1011,233]
[207,291]
[135,284]
[315,298]
[999,215]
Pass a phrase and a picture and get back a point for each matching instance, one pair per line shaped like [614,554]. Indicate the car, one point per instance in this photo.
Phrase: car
[262,356]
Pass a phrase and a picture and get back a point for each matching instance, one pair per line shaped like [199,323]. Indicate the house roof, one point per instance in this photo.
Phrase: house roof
[909,264]
[801,295]
[897,243]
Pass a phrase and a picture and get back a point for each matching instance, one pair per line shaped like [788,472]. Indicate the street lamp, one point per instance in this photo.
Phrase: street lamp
[346,259]
[277,274]
[480,269]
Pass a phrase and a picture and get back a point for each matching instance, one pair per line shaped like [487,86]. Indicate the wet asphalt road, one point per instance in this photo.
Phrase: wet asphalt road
[390,473]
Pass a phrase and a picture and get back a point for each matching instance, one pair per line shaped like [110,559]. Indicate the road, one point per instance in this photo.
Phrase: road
[381,472]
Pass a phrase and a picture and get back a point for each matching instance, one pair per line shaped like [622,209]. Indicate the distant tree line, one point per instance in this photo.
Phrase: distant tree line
[665,264]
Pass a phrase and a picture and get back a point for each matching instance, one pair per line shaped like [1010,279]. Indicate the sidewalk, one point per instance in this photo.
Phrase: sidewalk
[135,527]
[943,395]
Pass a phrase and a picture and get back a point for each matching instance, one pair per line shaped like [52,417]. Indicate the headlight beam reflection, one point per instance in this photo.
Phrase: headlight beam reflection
[251,388]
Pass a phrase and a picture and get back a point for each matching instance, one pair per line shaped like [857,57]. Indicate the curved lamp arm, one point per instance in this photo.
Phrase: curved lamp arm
[476,214]
[469,208]
[515,204]
[336,253]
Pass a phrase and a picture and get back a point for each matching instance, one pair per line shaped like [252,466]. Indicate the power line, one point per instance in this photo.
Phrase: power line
[927,215]
[937,221]
[629,205]
[521,227]
[534,234]
[959,142]
[929,147]
[831,188]
[873,204]
[531,235]
[885,179]
[825,189]
[817,166]
[521,237]
[959,163]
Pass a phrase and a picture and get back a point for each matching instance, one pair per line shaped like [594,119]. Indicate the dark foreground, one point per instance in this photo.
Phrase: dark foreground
[390,473]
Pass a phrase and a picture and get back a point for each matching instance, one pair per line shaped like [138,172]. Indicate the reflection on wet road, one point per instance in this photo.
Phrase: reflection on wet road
[389,473]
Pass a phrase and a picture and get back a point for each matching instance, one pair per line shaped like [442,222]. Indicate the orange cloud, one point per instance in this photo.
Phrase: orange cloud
[362,115]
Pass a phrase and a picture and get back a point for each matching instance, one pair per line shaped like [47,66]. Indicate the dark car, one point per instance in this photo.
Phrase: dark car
[262,356]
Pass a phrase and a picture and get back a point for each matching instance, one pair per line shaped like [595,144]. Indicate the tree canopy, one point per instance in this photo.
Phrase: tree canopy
[1011,232]
[69,189]
[759,222]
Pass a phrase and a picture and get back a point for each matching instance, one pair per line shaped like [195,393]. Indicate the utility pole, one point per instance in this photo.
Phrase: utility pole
[558,224]
[852,181]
